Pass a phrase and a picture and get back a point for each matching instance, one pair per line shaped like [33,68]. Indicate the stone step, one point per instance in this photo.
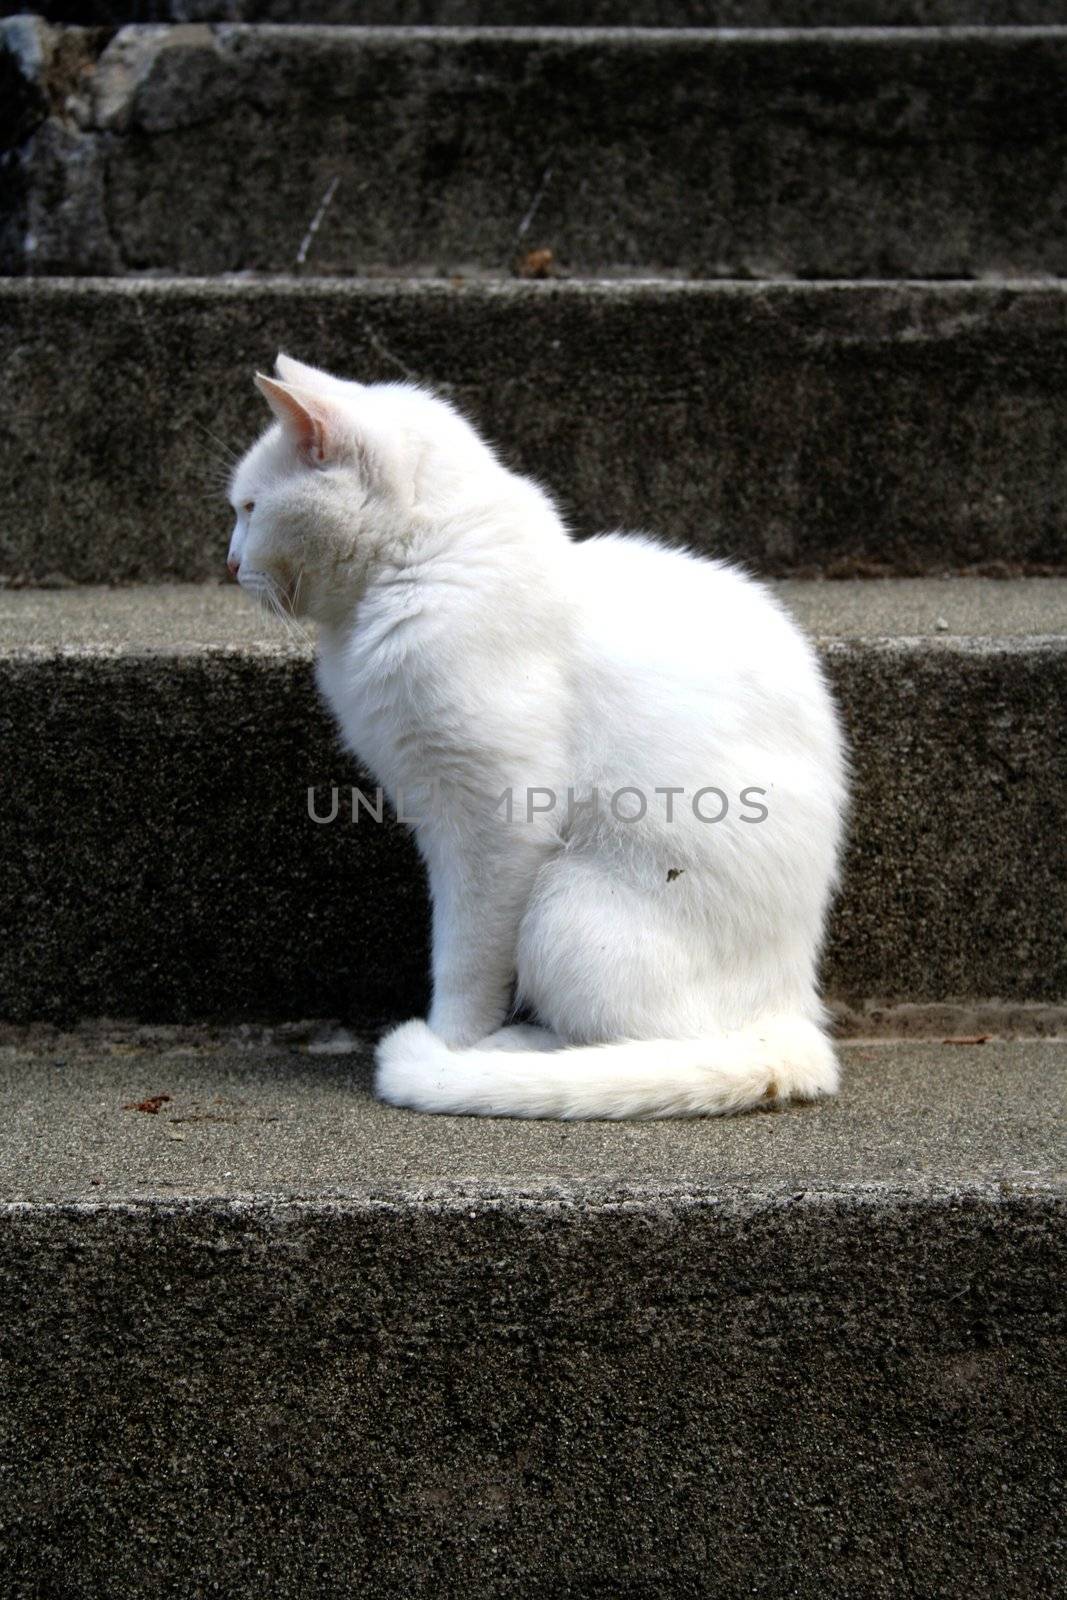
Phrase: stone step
[279,1339]
[557,13]
[843,429]
[161,861]
[826,153]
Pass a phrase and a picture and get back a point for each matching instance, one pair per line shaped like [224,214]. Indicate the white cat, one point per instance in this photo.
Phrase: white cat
[474,655]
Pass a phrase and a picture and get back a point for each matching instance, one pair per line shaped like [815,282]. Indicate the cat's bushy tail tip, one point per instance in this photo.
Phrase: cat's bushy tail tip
[407,1058]
[772,1062]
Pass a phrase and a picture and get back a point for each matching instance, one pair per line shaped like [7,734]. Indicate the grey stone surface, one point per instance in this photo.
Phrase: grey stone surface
[248,1114]
[350,1350]
[161,862]
[804,428]
[558,13]
[192,618]
[878,152]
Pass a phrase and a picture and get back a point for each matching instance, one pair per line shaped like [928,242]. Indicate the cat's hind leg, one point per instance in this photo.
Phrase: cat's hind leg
[604,956]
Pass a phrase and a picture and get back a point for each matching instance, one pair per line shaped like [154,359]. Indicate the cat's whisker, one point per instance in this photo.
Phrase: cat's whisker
[264,587]
[298,631]
[279,610]
[229,454]
[301,631]
[217,482]
[282,605]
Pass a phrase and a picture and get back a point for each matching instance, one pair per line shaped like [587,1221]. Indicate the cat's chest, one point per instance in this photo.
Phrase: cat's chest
[370,706]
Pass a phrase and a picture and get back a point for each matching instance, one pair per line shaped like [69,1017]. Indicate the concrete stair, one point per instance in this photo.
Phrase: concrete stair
[278,1338]
[844,429]
[833,153]
[162,862]
[258,1333]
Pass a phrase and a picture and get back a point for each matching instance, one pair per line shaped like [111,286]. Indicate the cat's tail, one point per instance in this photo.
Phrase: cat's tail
[766,1063]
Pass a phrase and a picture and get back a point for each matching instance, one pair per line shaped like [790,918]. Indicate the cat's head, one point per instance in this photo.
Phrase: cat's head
[341,484]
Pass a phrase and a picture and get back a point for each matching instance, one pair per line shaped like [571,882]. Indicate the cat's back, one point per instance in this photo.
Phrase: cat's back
[647,607]
[691,673]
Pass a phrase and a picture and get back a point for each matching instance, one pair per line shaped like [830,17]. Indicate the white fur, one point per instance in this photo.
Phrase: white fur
[466,641]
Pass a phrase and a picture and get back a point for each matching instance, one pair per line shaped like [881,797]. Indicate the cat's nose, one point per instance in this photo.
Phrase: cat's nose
[233,566]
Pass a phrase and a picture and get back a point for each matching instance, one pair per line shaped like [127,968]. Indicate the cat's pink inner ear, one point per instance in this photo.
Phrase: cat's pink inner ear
[299,414]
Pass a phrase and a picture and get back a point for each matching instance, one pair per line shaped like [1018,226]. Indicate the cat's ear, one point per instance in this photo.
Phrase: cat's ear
[300,374]
[313,422]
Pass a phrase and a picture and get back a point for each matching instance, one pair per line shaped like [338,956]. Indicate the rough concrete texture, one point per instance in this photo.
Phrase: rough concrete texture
[162,863]
[558,13]
[322,1347]
[192,618]
[251,1114]
[842,429]
[822,153]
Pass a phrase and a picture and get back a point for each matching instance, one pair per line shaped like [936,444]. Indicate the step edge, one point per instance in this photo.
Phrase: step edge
[439,33]
[498,286]
[995,1188]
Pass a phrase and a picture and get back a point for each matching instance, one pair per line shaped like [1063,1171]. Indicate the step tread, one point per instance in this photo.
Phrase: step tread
[251,1117]
[357,1351]
[184,618]
[185,35]
[346,34]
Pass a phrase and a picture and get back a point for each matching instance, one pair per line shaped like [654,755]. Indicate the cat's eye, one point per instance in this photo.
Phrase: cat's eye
[249,506]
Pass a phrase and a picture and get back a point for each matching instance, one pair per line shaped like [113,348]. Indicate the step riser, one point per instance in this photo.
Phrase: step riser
[408,1399]
[884,154]
[162,862]
[823,429]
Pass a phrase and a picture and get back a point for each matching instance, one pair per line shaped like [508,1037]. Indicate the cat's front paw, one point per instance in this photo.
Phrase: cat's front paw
[459,1027]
